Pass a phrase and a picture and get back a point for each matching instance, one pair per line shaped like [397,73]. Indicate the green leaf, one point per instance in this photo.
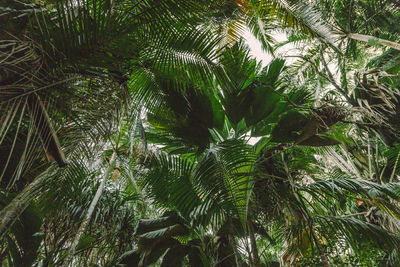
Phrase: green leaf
[289,127]
[130,258]
[85,242]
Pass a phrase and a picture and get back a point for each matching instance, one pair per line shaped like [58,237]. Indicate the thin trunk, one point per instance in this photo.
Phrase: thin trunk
[322,255]
[369,38]
[232,242]
[17,206]
[89,213]
[254,250]
[249,252]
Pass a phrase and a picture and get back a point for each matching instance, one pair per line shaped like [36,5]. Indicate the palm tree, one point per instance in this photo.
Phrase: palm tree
[55,38]
[159,118]
[177,122]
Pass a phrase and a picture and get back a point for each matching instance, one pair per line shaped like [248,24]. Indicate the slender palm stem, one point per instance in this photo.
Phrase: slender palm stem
[321,252]
[254,250]
[89,213]
[232,241]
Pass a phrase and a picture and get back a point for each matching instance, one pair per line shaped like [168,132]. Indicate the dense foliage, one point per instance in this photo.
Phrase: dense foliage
[144,133]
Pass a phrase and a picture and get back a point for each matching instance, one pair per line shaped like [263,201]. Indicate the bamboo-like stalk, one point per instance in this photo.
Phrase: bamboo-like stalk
[89,213]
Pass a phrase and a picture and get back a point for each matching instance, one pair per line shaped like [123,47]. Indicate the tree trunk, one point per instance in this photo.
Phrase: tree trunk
[89,213]
[232,242]
[254,250]
[322,255]
[17,206]
[369,38]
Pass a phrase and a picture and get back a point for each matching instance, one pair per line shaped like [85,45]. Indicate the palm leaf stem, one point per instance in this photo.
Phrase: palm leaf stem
[372,39]
[331,79]
[10,213]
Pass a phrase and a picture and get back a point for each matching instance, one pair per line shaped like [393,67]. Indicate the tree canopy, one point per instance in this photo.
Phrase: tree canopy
[145,133]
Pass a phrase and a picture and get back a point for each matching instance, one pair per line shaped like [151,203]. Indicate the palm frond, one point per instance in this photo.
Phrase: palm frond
[298,14]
